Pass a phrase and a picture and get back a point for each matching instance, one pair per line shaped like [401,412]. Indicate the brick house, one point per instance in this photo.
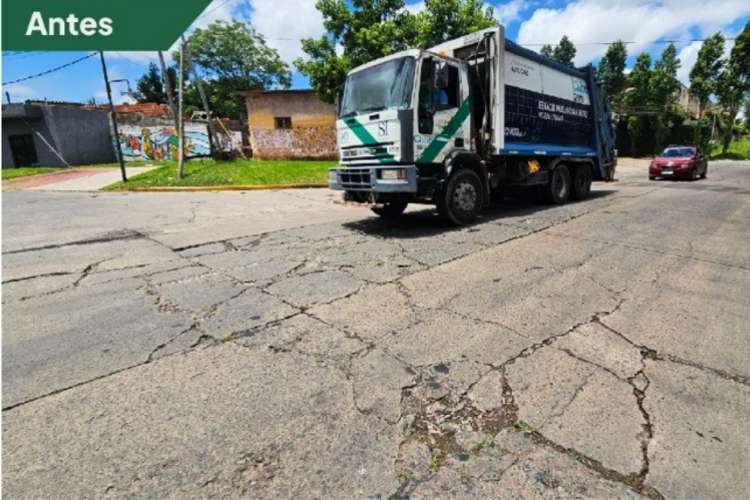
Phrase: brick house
[290,124]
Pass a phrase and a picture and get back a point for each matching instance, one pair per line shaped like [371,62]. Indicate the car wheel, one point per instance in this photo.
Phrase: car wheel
[461,200]
[390,210]
[651,178]
[581,182]
[558,189]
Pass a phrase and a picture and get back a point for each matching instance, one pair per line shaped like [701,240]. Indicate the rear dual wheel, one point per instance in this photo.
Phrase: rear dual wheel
[564,185]
[559,187]
[581,182]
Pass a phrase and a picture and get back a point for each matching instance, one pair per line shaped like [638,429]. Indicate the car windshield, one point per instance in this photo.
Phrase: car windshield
[678,152]
[384,86]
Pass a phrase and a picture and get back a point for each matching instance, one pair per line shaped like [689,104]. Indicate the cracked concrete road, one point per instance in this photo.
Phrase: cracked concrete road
[279,344]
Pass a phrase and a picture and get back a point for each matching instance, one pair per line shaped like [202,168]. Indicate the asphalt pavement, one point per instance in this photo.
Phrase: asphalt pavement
[283,343]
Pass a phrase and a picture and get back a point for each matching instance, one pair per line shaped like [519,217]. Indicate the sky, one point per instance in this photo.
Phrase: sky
[528,22]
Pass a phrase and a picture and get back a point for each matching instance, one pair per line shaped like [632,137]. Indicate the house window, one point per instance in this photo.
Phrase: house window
[283,122]
[23,150]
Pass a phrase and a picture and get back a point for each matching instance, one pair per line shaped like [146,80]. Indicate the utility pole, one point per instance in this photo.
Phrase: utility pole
[113,117]
[204,100]
[167,85]
[180,118]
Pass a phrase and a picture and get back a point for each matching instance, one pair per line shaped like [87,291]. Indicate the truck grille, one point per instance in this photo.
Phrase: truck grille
[354,178]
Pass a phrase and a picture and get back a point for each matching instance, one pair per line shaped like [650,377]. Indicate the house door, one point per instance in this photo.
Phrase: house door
[23,150]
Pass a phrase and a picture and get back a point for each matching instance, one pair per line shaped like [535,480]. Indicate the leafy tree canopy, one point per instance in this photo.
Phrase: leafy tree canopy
[612,70]
[564,52]
[664,84]
[232,57]
[733,84]
[362,30]
[705,73]
[150,87]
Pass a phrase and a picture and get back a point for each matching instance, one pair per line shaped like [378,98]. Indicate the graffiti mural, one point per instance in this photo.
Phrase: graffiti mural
[160,143]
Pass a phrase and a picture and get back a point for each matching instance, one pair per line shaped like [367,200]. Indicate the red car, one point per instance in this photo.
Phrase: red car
[679,162]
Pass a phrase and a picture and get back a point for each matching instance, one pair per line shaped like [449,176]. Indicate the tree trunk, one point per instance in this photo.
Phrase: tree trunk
[726,139]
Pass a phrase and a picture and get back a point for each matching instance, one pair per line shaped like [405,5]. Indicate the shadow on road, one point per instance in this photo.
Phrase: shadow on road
[427,222]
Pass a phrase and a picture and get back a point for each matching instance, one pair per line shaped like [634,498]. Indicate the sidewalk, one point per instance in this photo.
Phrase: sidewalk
[75,179]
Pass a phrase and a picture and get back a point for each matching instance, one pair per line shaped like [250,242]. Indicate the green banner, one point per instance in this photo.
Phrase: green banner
[96,24]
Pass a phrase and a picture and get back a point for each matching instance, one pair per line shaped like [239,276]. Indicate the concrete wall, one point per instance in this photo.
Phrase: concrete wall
[81,136]
[45,156]
[313,132]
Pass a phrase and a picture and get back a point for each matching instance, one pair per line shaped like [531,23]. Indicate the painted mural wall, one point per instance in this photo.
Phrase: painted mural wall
[161,142]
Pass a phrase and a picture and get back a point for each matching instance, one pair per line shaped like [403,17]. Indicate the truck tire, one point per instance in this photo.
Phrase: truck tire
[461,200]
[391,210]
[559,187]
[581,182]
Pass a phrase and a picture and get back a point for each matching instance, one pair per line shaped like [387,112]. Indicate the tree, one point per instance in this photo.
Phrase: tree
[639,84]
[733,85]
[443,20]
[612,71]
[705,73]
[233,57]
[636,101]
[359,31]
[150,87]
[664,84]
[565,51]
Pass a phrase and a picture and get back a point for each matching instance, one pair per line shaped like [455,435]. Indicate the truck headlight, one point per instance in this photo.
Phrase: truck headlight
[393,174]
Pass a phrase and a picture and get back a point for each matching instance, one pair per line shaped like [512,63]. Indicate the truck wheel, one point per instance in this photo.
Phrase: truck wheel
[559,185]
[581,182]
[390,210]
[462,199]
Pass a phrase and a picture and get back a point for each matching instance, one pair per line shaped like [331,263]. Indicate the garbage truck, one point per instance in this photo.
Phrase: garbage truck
[463,122]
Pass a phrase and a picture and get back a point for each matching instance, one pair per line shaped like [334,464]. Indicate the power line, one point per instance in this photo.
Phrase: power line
[690,40]
[51,70]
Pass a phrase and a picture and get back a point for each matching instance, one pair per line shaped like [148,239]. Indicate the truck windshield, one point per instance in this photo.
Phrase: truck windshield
[387,85]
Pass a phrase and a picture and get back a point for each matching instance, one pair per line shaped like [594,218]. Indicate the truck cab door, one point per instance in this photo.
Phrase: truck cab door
[443,110]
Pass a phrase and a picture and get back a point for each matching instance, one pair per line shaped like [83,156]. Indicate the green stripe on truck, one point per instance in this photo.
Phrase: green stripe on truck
[439,141]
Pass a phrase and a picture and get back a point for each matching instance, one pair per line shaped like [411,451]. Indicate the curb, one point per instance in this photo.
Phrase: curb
[239,187]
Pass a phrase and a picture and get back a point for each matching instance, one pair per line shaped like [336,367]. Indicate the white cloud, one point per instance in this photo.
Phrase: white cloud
[285,23]
[509,12]
[221,10]
[637,20]
[687,55]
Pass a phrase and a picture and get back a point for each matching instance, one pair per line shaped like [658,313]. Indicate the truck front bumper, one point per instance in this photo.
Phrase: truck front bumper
[374,178]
